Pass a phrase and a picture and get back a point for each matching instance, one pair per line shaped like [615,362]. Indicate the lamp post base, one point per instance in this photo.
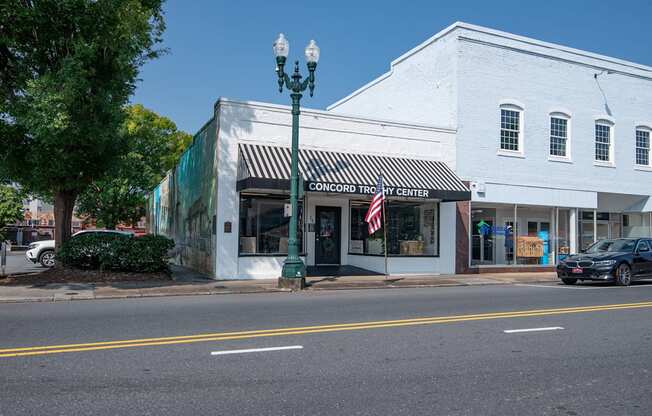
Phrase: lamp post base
[293,275]
[293,283]
[293,269]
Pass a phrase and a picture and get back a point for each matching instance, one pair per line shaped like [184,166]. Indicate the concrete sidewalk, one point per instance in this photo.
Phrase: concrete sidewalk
[187,282]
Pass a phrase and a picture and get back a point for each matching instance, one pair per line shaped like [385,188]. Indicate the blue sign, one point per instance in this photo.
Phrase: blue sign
[485,229]
[543,235]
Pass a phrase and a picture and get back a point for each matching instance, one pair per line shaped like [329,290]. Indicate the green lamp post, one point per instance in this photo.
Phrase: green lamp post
[294,271]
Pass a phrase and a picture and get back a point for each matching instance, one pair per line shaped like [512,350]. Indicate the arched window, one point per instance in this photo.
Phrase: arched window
[511,127]
[604,147]
[643,146]
[559,135]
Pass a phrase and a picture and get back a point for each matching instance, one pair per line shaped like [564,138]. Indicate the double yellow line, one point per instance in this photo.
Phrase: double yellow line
[225,336]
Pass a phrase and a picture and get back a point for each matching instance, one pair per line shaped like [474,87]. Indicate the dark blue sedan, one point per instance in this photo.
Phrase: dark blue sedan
[621,260]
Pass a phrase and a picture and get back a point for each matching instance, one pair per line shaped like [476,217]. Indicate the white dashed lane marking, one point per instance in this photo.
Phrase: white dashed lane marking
[549,328]
[227,352]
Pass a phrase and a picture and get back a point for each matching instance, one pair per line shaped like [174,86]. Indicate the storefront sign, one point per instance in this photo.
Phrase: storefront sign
[345,188]
[488,230]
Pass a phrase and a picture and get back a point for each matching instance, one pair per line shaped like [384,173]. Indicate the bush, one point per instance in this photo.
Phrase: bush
[109,251]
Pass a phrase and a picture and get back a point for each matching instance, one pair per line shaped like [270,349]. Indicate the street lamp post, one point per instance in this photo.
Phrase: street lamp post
[294,270]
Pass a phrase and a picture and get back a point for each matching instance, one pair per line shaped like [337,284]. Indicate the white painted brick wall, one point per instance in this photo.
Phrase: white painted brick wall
[421,88]
[488,74]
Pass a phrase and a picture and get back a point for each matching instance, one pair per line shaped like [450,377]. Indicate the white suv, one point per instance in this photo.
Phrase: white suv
[43,251]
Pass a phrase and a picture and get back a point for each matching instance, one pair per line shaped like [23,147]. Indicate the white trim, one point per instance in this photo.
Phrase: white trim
[605,119]
[638,166]
[510,153]
[561,111]
[559,159]
[509,102]
[603,164]
[330,115]
[565,116]
[609,122]
[516,106]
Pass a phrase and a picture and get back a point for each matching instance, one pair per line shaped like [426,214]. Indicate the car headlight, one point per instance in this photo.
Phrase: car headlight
[31,246]
[605,263]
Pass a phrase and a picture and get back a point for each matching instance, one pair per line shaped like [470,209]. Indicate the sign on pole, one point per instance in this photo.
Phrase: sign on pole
[3,256]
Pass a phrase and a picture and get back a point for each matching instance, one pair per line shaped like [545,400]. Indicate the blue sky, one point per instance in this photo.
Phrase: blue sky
[224,48]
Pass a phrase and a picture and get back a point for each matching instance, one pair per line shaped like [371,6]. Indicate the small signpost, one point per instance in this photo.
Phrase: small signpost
[3,257]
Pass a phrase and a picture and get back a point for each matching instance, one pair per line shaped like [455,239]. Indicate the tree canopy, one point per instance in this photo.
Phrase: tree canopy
[154,146]
[67,69]
[11,208]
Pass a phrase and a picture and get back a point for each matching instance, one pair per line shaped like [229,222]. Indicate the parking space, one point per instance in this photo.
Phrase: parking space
[16,263]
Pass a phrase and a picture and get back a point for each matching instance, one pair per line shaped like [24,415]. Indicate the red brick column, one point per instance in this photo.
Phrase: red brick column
[462,227]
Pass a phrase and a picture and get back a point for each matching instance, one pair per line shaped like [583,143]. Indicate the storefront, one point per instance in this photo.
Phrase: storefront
[336,191]
[537,237]
[541,235]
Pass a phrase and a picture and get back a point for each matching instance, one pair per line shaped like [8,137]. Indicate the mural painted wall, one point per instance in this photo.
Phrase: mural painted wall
[182,206]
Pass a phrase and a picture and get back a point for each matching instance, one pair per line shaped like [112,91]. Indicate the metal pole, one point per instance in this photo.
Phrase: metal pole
[555,240]
[293,266]
[572,231]
[595,225]
[515,235]
[386,242]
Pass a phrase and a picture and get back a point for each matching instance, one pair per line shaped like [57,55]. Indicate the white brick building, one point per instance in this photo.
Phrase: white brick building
[554,143]
[564,100]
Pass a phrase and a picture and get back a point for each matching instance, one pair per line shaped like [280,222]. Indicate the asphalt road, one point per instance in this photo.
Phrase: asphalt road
[458,361]
[16,263]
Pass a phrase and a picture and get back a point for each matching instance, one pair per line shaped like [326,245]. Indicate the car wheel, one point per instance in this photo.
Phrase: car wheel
[47,258]
[624,275]
[569,281]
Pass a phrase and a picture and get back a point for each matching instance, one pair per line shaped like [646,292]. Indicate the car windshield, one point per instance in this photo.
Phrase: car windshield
[620,245]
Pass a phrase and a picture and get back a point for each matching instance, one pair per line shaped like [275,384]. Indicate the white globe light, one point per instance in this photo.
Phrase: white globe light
[281,46]
[312,52]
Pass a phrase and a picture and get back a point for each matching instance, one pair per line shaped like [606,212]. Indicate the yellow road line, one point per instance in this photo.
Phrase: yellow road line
[54,349]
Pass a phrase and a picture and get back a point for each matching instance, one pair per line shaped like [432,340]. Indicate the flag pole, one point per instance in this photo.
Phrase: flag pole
[385,228]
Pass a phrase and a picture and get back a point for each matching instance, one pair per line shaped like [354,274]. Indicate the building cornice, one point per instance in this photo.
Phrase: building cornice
[330,115]
[519,44]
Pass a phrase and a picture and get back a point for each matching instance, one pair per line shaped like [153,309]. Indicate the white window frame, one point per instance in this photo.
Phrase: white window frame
[647,129]
[603,121]
[564,116]
[518,108]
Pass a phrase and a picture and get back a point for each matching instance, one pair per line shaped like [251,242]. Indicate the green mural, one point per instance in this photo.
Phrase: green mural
[182,205]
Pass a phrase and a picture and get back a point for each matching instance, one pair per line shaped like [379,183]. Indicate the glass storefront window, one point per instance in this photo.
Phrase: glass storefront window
[264,226]
[412,230]
[492,234]
[533,239]
[562,240]
[608,226]
[637,225]
[534,235]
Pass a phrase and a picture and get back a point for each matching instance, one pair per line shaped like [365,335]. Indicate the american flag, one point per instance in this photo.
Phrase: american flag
[375,213]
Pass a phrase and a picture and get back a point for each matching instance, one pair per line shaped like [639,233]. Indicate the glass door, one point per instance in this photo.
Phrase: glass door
[327,235]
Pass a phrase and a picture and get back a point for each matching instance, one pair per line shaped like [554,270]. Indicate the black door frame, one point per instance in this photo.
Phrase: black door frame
[338,232]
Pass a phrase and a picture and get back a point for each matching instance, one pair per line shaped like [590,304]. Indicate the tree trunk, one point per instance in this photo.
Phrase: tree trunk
[64,202]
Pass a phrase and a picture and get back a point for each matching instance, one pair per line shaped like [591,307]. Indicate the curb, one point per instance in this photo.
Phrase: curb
[63,298]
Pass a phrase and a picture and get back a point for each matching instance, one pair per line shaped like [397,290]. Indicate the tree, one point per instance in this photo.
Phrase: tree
[67,68]
[11,208]
[154,146]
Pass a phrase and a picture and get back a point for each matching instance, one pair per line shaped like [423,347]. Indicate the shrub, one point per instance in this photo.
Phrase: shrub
[109,251]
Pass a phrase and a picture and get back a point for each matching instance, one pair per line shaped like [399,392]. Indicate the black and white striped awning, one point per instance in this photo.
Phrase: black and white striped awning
[268,167]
